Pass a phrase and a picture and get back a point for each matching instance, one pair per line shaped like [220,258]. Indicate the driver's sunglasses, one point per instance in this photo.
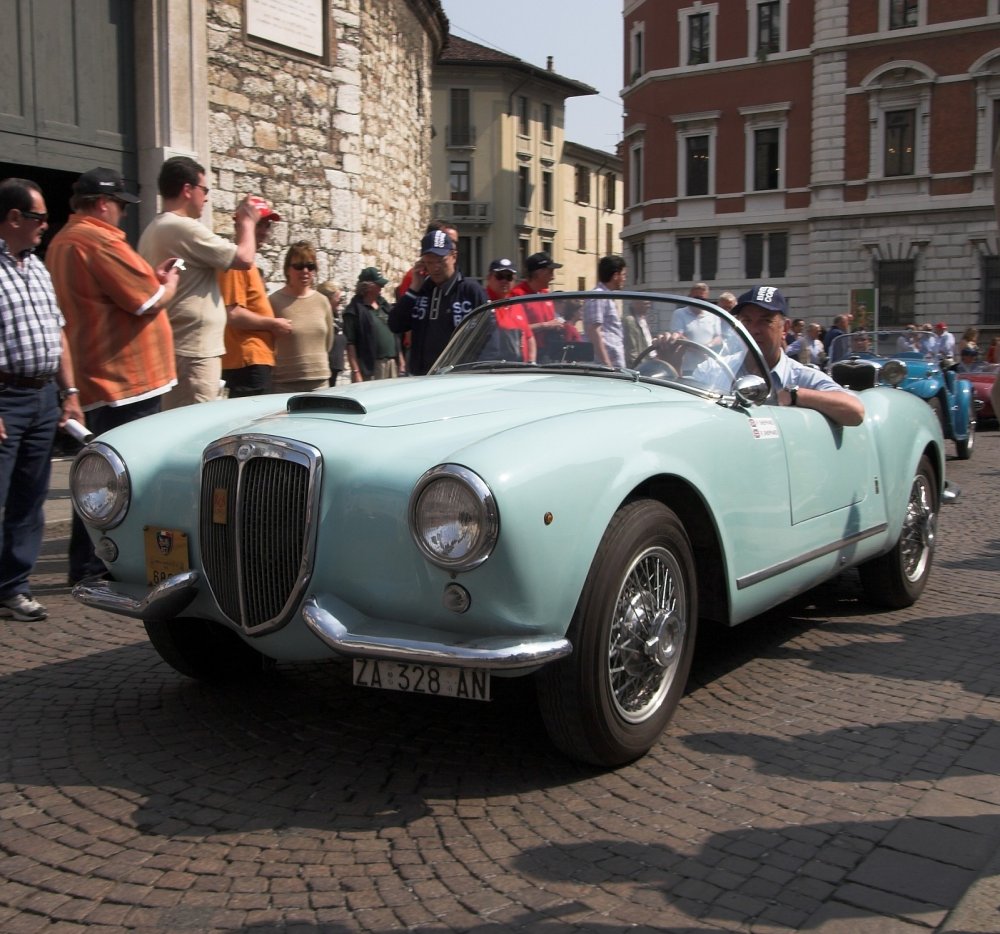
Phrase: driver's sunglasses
[41,217]
[300,266]
[505,276]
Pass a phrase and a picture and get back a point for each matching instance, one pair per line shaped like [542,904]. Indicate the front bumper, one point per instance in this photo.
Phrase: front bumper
[169,598]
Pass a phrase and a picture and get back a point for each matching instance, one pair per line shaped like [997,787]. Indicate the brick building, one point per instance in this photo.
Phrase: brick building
[823,147]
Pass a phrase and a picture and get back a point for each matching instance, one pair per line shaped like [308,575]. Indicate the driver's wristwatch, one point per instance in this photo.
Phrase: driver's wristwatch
[793,391]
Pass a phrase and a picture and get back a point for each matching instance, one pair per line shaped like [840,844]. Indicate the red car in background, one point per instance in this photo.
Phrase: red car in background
[982,389]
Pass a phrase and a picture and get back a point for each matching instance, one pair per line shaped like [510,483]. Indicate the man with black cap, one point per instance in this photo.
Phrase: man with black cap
[540,270]
[116,324]
[438,298]
[510,318]
[371,347]
[762,311]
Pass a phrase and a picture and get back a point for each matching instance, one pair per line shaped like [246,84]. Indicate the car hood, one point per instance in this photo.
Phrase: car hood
[507,398]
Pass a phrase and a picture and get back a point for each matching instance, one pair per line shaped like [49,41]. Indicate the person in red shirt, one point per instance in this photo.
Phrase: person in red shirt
[545,325]
[499,284]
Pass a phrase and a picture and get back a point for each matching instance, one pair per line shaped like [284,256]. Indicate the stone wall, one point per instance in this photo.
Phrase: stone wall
[341,150]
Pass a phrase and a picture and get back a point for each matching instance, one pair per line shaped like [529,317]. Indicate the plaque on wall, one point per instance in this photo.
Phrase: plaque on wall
[296,26]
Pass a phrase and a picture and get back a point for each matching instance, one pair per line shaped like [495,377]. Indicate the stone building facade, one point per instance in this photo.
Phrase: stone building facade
[321,106]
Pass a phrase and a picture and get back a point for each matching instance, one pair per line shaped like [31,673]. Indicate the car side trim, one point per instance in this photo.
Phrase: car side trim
[496,653]
[764,574]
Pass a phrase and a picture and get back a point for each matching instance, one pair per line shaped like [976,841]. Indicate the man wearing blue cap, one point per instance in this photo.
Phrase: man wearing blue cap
[762,311]
[438,298]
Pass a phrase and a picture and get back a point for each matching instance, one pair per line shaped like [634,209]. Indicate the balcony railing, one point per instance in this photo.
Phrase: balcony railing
[462,136]
[465,212]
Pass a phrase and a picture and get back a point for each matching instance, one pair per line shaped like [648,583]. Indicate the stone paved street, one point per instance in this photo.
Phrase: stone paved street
[830,769]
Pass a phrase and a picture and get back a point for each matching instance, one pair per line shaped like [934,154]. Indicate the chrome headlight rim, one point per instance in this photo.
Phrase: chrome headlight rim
[124,498]
[489,517]
[893,372]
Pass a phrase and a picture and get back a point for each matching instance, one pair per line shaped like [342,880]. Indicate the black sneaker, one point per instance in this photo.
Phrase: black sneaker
[23,607]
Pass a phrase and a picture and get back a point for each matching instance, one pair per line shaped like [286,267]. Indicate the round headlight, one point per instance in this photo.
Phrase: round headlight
[100,487]
[454,518]
[893,372]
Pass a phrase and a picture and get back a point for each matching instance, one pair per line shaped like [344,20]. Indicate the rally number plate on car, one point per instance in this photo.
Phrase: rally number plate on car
[166,553]
[473,684]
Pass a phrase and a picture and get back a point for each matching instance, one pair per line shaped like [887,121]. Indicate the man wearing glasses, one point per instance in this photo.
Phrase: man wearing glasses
[116,321]
[37,391]
[197,313]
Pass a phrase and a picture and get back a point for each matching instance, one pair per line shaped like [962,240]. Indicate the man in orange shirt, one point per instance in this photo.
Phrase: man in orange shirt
[251,326]
[116,325]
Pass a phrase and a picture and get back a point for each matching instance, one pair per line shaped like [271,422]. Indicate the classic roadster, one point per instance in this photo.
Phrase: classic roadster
[862,357]
[504,517]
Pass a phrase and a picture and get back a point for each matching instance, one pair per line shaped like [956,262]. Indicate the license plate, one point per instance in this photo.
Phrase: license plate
[166,553]
[469,683]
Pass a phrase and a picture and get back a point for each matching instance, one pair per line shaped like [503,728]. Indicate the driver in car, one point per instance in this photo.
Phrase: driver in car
[762,311]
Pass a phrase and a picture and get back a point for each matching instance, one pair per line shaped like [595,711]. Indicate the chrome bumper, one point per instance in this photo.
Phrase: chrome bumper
[165,601]
[494,652]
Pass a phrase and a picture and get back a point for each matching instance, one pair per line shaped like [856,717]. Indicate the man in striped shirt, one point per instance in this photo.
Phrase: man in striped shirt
[35,364]
[116,322]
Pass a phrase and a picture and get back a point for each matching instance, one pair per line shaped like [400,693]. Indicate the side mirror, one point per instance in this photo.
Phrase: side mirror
[751,390]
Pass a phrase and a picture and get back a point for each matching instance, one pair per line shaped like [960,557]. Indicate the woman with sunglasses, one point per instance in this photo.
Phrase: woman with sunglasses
[302,361]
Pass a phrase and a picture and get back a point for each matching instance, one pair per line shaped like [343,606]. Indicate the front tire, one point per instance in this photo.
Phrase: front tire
[633,636]
[897,578]
[964,448]
[204,650]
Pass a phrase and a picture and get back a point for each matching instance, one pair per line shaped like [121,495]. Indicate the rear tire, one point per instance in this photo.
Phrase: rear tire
[633,636]
[204,650]
[964,448]
[897,578]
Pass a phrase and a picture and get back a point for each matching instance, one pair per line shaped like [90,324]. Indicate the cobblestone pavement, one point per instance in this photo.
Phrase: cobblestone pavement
[830,769]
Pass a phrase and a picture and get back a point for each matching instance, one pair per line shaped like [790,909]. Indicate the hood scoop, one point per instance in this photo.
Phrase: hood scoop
[322,403]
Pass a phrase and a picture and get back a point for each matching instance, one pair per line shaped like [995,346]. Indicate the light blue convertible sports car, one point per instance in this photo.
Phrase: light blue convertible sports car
[520,511]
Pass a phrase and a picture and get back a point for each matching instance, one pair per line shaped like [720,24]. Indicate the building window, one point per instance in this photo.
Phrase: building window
[581,234]
[523,252]
[637,52]
[635,177]
[699,39]
[547,123]
[471,251]
[991,290]
[899,142]
[523,126]
[896,288]
[768,27]
[582,192]
[547,193]
[581,283]
[766,159]
[638,263]
[765,255]
[609,239]
[697,164]
[460,130]
[697,258]
[458,179]
[523,186]
[610,192]
[903,13]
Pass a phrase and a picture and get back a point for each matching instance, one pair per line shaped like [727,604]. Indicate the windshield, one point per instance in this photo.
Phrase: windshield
[632,334]
[907,342]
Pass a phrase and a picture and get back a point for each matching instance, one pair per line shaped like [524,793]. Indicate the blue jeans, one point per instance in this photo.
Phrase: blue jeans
[82,560]
[30,417]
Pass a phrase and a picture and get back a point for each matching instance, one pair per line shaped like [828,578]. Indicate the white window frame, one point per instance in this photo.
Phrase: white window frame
[884,9]
[700,124]
[765,117]
[913,93]
[712,9]
[986,74]
[753,30]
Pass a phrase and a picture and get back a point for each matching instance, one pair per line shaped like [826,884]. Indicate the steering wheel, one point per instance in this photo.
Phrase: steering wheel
[654,367]
[676,349]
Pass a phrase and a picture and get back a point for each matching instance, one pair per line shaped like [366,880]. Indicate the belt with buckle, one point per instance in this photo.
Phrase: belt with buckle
[25,382]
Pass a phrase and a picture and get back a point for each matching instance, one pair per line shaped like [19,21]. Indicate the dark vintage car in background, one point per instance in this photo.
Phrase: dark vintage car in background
[982,383]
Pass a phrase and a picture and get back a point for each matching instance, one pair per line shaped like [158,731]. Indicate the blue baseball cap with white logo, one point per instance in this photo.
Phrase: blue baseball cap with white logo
[438,243]
[763,296]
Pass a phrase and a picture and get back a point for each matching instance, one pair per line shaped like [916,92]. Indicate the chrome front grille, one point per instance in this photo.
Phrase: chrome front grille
[257,508]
